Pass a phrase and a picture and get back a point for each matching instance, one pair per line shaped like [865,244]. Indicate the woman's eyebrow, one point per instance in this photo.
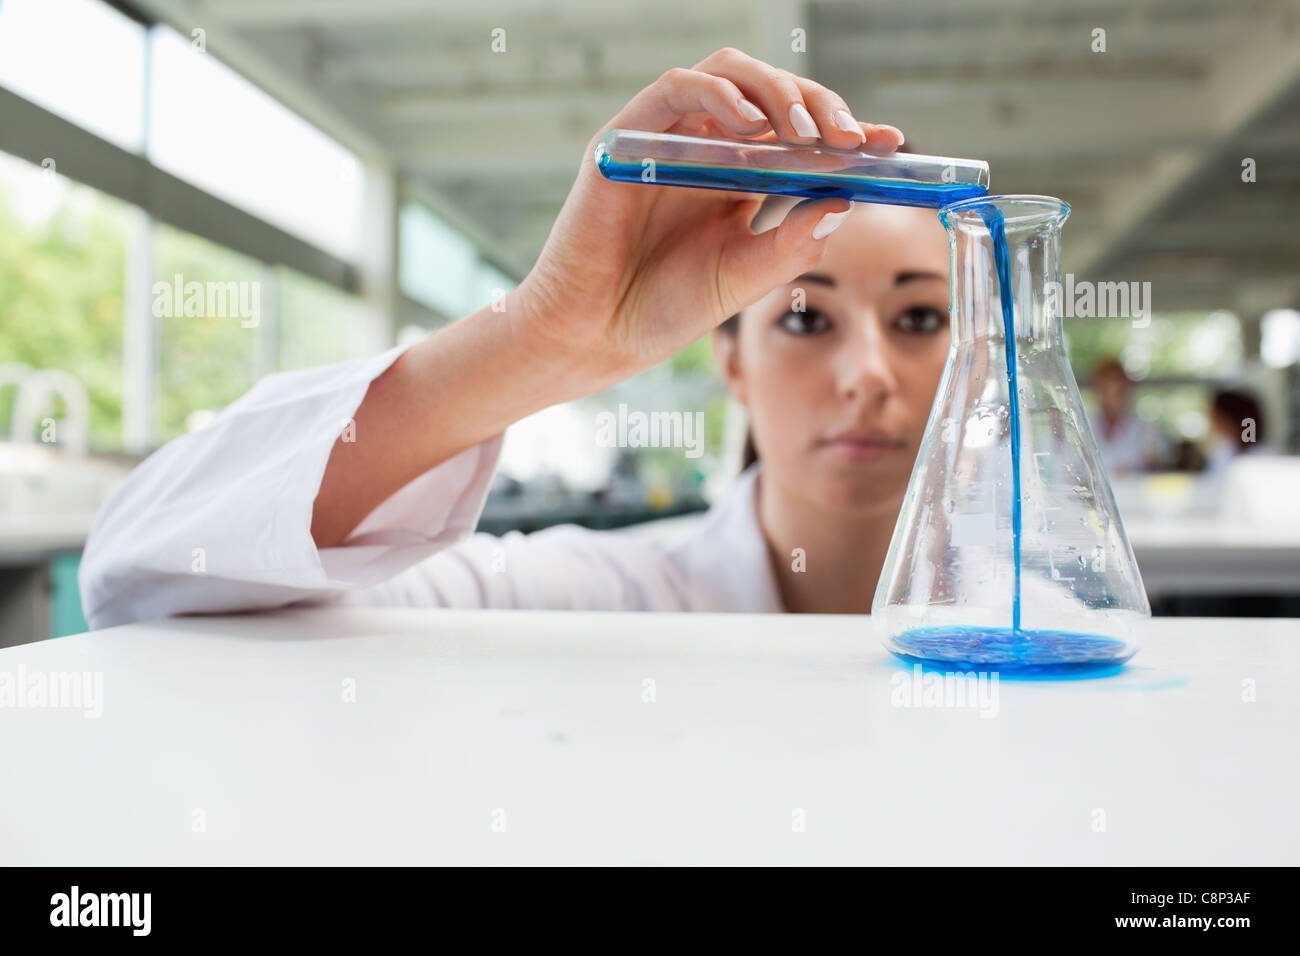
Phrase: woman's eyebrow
[910,276]
[818,277]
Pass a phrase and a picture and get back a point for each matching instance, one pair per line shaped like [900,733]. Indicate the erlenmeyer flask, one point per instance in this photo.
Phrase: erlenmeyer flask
[1009,553]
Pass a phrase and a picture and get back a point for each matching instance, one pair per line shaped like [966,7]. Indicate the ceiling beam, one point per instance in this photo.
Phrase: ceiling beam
[279,14]
[1245,82]
[290,88]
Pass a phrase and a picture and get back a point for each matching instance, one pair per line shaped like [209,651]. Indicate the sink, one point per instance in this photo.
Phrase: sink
[39,481]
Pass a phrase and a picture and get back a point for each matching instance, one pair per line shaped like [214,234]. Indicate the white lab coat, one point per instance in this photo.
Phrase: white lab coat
[1134,446]
[219,520]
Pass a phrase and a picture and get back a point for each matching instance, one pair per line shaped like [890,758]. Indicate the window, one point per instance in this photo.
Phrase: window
[1280,338]
[215,320]
[317,324]
[80,59]
[441,268]
[211,127]
[62,278]
[208,303]
[435,261]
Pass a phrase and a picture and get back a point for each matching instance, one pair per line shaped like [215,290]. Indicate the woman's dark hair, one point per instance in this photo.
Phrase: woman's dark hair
[732,325]
[1235,407]
[750,455]
[1109,367]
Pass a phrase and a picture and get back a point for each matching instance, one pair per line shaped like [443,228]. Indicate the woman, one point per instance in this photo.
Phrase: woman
[362,482]
[1127,443]
[1236,428]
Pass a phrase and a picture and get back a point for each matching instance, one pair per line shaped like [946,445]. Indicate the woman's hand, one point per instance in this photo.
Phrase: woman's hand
[630,274]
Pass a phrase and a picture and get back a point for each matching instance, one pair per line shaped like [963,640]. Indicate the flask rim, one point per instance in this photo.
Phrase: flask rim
[1016,209]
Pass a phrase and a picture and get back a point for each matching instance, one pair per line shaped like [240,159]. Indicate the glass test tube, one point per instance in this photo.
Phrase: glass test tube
[815,172]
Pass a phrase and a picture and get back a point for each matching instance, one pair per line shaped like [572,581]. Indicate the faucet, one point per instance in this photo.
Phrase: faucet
[34,392]
[13,373]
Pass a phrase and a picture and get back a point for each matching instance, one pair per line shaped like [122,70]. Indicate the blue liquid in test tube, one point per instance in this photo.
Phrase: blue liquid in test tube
[900,179]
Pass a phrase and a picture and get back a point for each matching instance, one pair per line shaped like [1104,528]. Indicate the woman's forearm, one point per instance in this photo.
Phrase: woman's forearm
[459,387]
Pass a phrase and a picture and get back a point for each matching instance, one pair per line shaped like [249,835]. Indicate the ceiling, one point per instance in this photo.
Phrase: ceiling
[1145,140]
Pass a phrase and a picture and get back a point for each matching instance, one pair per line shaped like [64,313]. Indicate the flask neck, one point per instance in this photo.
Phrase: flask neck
[1027,230]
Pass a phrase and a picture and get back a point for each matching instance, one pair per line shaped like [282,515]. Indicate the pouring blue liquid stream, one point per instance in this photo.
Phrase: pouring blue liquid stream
[1002,263]
[1011,650]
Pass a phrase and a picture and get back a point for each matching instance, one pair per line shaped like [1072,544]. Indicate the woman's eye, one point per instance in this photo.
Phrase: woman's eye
[808,322]
[922,319]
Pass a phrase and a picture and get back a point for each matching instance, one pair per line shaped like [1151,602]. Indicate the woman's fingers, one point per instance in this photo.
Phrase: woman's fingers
[731,93]
[680,92]
[881,137]
[775,91]
[832,114]
[754,264]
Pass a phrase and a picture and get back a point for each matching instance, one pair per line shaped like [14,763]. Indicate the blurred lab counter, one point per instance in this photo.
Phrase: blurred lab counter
[1211,556]
[1237,535]
[39,556]
[501,516]
[30,539]
[403,736]
[48,502]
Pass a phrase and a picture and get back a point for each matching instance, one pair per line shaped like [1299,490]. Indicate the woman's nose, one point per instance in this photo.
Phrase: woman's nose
[864,368]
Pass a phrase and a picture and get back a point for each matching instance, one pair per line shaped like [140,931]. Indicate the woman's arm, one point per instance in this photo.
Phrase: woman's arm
[249,511]
[628,276]
[457,388]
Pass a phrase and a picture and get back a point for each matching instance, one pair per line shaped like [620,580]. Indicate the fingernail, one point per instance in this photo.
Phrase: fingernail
[802,121]
[845,121]
[830,222]
[895,129]
[750,111]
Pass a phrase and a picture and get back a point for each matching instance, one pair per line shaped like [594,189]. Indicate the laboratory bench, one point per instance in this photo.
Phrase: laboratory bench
[405,736]
[39,557]
[1190,565]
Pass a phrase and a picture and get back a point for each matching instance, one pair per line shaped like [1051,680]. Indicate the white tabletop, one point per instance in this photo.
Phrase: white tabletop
[525,737]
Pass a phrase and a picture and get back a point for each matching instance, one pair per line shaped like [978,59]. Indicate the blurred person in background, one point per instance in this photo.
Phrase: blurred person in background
[1236,428]
[1188,456]
[1127,443]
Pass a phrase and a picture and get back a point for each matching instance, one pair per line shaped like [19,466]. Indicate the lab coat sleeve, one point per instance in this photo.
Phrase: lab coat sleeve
[219,520]
[564,567]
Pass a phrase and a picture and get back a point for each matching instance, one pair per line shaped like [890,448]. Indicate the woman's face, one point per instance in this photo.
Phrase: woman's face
[1112,394]
[839,392]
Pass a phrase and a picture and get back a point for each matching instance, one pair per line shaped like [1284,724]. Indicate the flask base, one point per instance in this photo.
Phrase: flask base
[1011,652]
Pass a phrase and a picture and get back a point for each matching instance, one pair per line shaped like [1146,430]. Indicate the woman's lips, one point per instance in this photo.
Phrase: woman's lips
[862,448]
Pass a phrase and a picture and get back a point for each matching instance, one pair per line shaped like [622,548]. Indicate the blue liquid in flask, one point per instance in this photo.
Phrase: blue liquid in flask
[1012,650]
